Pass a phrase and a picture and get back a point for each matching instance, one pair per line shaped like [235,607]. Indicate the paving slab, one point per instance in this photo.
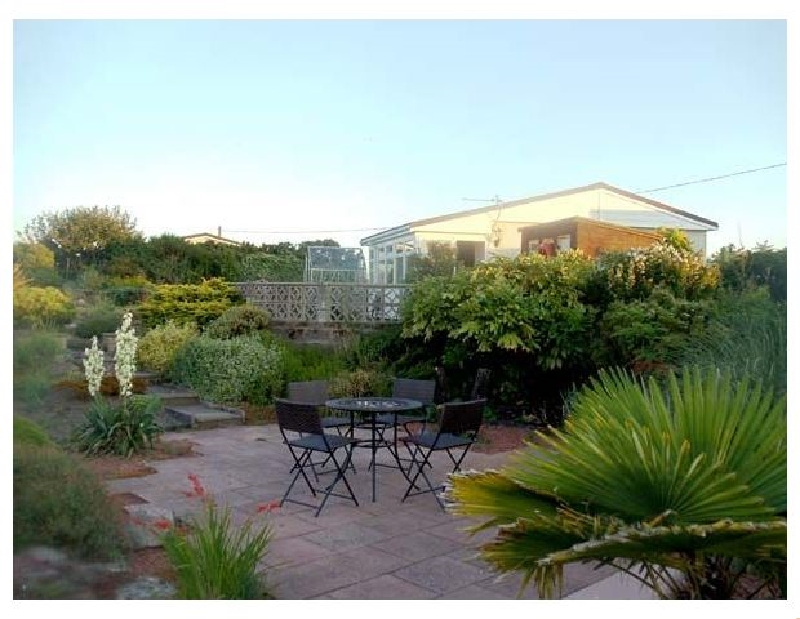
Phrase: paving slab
[442,574]
[385,587]
[417,546]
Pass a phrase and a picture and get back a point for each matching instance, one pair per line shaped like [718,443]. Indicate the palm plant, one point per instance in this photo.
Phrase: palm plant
[680,483]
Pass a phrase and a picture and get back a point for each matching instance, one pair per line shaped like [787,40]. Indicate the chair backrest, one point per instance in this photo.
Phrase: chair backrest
[421,390]
[462,417]
[481,384]
[297,417]
[309,392]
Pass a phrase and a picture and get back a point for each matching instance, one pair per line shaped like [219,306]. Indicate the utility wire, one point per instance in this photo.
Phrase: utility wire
[712,178]
[664,188]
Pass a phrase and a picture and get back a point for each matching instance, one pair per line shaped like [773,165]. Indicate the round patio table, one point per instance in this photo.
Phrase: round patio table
[371,407]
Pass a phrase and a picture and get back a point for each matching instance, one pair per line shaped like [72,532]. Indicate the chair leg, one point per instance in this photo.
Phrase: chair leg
[339,475]
[300,471]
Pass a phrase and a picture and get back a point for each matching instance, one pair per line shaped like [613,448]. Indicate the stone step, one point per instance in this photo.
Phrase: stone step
[173,396]
[204,416]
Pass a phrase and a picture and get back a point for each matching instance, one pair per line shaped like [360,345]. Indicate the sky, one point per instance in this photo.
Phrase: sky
[280,130]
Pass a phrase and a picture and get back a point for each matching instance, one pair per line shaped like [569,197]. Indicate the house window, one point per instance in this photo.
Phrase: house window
[399,270]
[390,272]
[533,245]
[563,243]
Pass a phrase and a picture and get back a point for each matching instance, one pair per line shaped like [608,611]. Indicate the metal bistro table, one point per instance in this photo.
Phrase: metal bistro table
[373,406]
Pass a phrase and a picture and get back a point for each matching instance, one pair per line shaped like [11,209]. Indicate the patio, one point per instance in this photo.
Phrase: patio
[380,550]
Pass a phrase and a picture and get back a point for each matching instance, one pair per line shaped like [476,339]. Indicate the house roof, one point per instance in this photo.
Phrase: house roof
[211,236]
[547,196]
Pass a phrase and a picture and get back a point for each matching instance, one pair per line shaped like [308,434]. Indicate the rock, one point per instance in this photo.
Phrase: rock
[146,588]
[46,554]
[144,527]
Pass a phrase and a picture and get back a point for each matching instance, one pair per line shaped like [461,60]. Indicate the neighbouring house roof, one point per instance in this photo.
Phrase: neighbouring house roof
[405,228]
[207,236]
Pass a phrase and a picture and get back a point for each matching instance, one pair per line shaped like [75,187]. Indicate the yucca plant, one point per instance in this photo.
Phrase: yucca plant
[680,483]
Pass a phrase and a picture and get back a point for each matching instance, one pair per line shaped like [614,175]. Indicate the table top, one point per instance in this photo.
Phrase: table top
[374,404]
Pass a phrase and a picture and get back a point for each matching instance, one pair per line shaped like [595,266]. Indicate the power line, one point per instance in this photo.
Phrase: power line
[712,178]
[655,189]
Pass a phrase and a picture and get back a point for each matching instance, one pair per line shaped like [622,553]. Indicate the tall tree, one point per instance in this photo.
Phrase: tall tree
[76,235]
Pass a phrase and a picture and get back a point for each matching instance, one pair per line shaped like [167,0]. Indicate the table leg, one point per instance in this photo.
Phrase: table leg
[374,449]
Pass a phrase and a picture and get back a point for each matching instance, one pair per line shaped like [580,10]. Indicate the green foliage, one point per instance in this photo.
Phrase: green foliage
[749,337]
[308,362]
[230,371]
[158,347]
[58,501]
[122,429]
[440,261]
[188,303]
[676,238]
[238,320]
[33,256]
[361,382]
[272,267]
[35,355]
[688,475]
[217,560]
[743,269]
[42,307]
[100,319]
[656,329]
[77,235]
[26,432]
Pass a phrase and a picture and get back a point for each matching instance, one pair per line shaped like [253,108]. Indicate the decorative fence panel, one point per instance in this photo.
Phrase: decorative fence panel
[299,302]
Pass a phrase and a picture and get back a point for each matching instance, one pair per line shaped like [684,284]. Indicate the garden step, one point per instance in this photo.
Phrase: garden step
[173,396]
[204,415]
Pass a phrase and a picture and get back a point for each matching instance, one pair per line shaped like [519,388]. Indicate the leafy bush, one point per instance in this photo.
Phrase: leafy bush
[230,371]
[217,560]
[238,320]
[656,329]
[188,303]
[26,432]
[307,362]
[742,269]
[122,429]
[686,475]
[42,307]
[159,346]
[361,382]
[272,267]
[58,501]
[99,320]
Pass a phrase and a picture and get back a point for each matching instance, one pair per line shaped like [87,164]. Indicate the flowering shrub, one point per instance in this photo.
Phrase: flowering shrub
[159,346]
[214,560]
[125,428]
[635,274]
[230,371]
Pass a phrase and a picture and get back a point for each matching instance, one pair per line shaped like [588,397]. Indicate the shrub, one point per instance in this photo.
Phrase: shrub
[308,362]
[188,303]
[159,346]
[26,432]
[656,329]
[34,357]
[217,560]
[122,429]
[230,371]
[42,307]
[58,501]
[361,382]
[238,320]
[101,319]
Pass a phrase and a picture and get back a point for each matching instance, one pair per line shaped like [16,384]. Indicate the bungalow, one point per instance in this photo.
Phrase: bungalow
[207,237]
[483,233]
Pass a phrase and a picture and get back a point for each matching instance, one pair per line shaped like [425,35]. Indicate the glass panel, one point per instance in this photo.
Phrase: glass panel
[399,266]
[390,272]
[563,242]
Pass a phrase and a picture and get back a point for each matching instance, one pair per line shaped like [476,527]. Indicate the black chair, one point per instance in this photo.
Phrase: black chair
[316,392]
[458,429]
[412,389]
[303,421]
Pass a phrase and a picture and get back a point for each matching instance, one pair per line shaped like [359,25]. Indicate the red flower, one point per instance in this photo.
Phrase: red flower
[162,524]
[267,507]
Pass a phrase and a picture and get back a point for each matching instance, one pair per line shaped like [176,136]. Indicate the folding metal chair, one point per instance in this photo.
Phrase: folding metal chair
[458,429]
[304,421]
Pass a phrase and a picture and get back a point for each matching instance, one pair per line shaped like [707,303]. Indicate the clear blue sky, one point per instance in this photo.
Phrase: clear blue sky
[284,126]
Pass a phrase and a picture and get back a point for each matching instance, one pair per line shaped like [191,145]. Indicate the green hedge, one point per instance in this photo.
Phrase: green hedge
[188,303]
